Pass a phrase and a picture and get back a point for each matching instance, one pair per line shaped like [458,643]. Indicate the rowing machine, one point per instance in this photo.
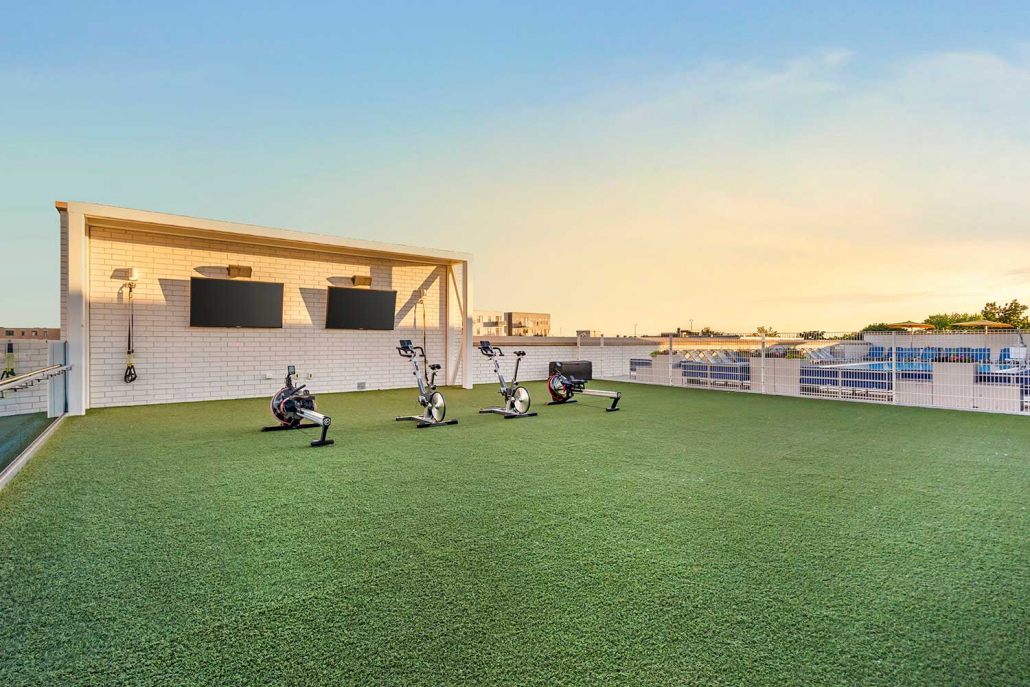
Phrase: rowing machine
[562,389]
[291,405]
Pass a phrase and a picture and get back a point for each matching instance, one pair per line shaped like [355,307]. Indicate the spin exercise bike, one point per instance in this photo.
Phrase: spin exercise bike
[291,405]
[516,398]
[428,397]
[562,389]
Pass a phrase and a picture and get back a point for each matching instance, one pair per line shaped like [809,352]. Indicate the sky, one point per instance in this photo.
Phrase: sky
[623,166]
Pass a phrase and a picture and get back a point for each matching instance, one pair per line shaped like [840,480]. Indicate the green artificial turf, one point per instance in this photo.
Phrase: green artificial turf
[696,537]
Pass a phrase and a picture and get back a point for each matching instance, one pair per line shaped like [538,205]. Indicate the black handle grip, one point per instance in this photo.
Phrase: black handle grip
[490,351]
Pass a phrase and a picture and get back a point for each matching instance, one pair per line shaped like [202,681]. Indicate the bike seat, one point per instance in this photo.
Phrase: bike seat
[434,367]
[520,353]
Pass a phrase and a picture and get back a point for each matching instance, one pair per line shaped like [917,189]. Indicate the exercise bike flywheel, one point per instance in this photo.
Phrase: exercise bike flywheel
[437,406]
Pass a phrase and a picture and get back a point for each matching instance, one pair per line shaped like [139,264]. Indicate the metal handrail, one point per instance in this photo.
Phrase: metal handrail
[25,380]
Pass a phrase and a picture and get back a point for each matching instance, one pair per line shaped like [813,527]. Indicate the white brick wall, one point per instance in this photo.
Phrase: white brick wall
[610,361]
[29,355]
[179,363]
[615,360]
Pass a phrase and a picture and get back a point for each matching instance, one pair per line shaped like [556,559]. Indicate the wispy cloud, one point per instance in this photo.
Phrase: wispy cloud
[1021,274]
[859,298]
[794,194]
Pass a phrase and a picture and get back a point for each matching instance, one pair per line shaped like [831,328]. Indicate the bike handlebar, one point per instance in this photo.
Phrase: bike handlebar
[489,351]
[407,350]
[410,351]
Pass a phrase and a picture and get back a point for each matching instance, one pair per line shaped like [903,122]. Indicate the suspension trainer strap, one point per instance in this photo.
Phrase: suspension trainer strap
[8,362]
[422,302]
[130,367]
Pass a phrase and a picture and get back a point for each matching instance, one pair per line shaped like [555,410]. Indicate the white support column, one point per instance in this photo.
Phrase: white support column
[763,363]
[454,291]
[450,366]
[77,335]
[671,353]
[466,325]
[894,367]
[56,403]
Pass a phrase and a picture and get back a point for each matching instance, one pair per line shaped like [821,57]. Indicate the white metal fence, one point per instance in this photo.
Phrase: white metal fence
[978,370]
[22,392]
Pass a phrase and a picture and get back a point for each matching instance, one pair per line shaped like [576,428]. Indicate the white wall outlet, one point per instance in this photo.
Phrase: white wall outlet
[311,376]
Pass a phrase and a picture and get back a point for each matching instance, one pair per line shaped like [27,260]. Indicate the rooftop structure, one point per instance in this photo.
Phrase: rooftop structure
[528,323]
[41,333]
[103,247]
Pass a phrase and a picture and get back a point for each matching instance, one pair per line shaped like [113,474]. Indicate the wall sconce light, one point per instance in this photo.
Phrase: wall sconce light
[240,271]
[361,280]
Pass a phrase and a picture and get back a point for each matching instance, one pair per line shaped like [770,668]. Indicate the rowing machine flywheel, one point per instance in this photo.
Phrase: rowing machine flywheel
[558,391]
[286,403]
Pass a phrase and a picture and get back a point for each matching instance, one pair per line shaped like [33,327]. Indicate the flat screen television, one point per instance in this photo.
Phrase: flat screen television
[234,303]
[360,309]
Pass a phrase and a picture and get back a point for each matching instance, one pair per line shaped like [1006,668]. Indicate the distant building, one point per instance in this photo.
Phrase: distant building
[47,333]
[489,323]
[497,323]
[589,333]
[679,333]
[528,323]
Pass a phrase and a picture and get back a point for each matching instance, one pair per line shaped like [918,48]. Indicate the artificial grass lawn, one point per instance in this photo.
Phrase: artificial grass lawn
[693,538]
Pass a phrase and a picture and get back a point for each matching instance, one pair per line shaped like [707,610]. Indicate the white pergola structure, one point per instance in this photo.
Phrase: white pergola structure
[81,221]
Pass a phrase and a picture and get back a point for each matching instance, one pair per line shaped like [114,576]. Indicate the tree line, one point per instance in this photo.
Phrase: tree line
[1012,313]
